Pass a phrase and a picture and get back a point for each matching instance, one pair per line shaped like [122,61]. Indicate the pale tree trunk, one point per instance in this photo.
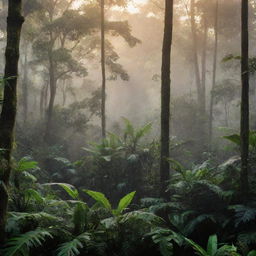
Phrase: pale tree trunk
[46,95]
[165,97]
[52,84]
[195,49]
[64,92]
[215,55]
[41,108]
[103,71]
[9,109]
[25,86]
[204,55]
[53,89]
[44,100]
[244,129]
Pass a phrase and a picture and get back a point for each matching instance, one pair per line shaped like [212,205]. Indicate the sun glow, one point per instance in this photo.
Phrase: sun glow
[77,4]
[132,7]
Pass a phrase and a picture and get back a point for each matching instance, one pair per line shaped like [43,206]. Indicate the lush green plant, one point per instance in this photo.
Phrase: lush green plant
[21,244]
[212,248]
[122,205]
[121,162]
[165,238]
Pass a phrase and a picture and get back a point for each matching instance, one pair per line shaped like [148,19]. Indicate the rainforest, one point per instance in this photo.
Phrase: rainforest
[127,127]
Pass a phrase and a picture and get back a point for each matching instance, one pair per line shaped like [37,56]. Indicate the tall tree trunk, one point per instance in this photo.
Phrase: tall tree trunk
[244,129]
[165,97]
[46,94]
[64,92]
[202,102]
[103,71]
[53,88]
[204,55]
[195,49]
[216,35]
[226,114]
[8,114]
[41,108]
[25,86]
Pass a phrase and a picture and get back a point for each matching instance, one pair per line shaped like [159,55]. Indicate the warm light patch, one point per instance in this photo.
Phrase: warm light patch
[77,4]
[132,6]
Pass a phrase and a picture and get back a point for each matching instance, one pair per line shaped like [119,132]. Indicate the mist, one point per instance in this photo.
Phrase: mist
[127,128]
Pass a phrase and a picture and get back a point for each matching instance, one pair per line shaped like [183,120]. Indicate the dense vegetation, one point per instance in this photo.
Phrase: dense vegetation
[176,176]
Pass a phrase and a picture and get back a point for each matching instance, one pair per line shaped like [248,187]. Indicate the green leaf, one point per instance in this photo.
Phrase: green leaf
[196,247]
[73,192]
[235,138]
[125,202]
[25,164]
[144,130]
[227,250]
[176,165]
[31,193]
[72,247]
[29,176]
[212,245]
[252,253]
[21,244]
[107,158]
[99,197]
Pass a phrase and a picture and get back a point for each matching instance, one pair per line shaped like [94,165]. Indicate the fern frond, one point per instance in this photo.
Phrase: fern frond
[21,244]
[146,217]
[191,226]
[165,238]
[72,248]
[247,238]
[39,216]
[243,214]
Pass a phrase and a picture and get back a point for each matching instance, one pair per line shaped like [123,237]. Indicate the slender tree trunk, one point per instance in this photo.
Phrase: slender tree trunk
[52,84]
[64,93]
[165,97]
[25,86]
[195,49]
[103,71]
[226,114]
[46,94]
[216,35]
[8,114]
[53,88]
[244,129]
[204,55]
[41,108]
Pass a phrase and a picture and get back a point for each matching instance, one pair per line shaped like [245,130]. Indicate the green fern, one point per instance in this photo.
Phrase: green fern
[21,244]
[79,217]
[39,216]
[243,214]
[191,226]
[247,238]
[212,248]
[165,238]
[73,247]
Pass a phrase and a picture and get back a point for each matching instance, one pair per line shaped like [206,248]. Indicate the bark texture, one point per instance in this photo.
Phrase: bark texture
[244,129]
[215,54]
[103,71]
[8,114]
[165,97]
